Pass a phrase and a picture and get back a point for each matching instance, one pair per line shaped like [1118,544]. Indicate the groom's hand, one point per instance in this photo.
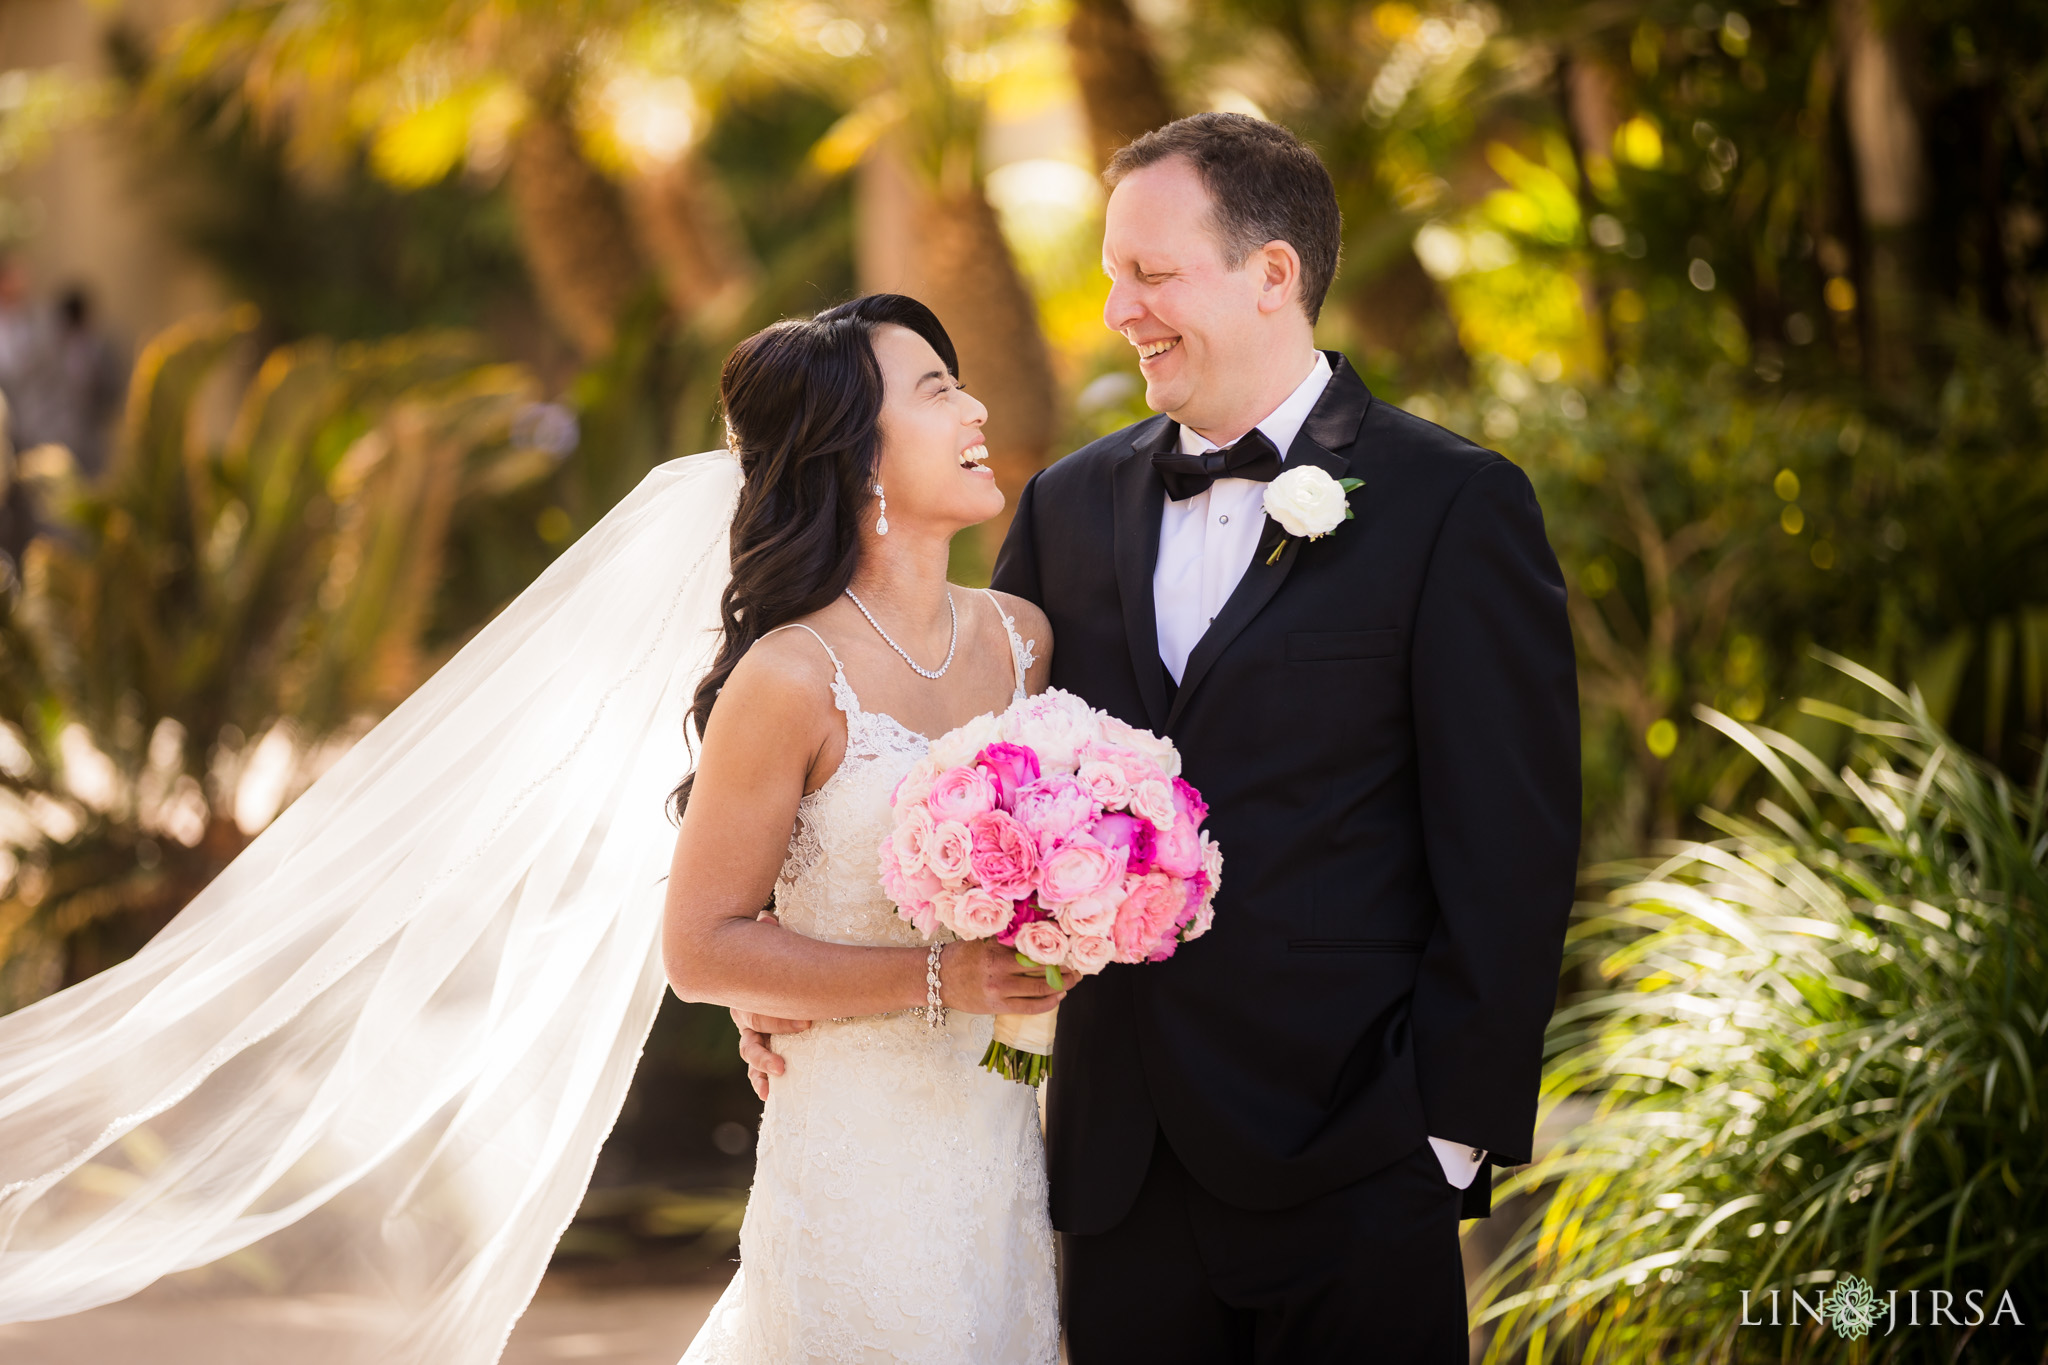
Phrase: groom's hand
[757,1047]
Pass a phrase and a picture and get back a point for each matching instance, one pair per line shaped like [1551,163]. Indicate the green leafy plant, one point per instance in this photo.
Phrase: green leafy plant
[1818,1049]
[213,596]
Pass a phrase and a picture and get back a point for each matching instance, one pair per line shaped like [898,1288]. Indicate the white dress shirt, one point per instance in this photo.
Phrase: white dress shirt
[1205,544]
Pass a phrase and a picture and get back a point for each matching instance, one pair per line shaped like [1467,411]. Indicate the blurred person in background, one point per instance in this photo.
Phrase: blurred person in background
[21,347]
[85,381]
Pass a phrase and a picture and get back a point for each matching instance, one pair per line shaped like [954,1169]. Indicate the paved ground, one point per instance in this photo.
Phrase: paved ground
[627,1327]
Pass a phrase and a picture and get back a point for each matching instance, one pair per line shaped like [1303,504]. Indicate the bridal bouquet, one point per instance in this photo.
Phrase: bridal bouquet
[1060,831]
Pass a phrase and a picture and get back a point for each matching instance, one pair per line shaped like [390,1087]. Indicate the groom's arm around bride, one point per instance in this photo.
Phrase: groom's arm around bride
[1384,719]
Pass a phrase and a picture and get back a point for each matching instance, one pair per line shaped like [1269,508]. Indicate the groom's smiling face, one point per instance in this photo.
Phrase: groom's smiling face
[1204,332]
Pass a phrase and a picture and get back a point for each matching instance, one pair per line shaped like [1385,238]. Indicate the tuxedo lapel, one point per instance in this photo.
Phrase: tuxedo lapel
[1140,498]
[1331,428]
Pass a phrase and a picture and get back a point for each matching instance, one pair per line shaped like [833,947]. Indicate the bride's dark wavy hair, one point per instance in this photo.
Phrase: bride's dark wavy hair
[803,406]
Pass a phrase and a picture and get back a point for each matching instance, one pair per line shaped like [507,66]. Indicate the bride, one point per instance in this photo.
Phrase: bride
[898,1210]
[377,1056]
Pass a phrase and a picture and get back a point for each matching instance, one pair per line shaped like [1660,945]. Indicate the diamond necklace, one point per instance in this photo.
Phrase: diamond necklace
[904,654]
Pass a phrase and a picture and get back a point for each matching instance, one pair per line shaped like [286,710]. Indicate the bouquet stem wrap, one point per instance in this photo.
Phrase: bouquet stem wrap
[1022,1047]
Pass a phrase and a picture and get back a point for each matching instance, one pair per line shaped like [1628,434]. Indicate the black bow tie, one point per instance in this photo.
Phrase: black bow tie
[1253,457]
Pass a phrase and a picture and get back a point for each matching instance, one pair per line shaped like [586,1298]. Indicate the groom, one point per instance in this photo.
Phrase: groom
[1260,1149]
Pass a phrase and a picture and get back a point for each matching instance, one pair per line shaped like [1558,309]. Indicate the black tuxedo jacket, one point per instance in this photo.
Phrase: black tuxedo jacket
[1385,724]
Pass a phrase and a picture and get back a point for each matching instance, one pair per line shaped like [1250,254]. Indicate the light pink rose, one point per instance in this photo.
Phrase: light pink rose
[1144,922]
[1088,954]
[1153,799]
[1212,862]
[1132,765]
[1042,941]
[911,836]
[1178,851]
[1080,868]
[1005,856]
[1055,724]
[961,794]
[1093,915]
[913,891]
[1159,750]
[949,853]
[1053,808]
[1105,782]
[916,784]
[979,914]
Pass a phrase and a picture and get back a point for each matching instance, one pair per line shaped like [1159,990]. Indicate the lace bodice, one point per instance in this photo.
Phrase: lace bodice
[898,1212]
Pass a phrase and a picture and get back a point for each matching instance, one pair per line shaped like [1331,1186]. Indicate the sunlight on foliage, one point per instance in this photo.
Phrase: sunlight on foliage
[1819,1049]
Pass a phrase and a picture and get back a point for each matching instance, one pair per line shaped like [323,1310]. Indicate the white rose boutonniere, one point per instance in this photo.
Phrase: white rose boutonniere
[1308,502]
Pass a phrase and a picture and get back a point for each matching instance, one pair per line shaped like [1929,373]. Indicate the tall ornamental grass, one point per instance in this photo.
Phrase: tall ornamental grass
[1816,1051]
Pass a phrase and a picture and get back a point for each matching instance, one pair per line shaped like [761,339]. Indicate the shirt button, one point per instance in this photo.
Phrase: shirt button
[1223,520]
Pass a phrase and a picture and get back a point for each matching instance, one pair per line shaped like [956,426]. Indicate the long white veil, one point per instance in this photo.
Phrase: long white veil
[379,1053]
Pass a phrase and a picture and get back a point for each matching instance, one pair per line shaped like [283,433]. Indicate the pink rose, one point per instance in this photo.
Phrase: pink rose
[1005,856]
[1136,837]
[1042,941]
[979,914]
[1144,922]
[949,852]
[1053,808]
[1081,867]
[1094,915]
[1178,851]
[1011,767]
[1133,765]
[961,794]
[1212,861]
[916,784]
[1189,803]
[1160,751]
[911,836]
[1153,799]
[1204,915]
[1088,954]
[913,891]
[1105,781]
[1027,912]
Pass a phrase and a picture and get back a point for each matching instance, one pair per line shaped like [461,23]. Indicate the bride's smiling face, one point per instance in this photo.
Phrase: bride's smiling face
[933,467]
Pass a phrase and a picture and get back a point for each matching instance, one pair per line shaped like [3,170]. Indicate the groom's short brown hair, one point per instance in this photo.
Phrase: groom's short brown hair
[1265,183]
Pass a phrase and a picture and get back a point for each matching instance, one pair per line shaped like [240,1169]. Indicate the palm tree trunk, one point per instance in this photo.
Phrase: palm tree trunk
[1891,184]
[686,225]
[954,258]
[1121,88]
[574,234]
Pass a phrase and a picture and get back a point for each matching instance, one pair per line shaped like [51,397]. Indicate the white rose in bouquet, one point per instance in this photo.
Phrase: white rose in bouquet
[957,748]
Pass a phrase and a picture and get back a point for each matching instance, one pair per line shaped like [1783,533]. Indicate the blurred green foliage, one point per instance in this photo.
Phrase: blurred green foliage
[1818,1048]
[1713,530]
[214,595]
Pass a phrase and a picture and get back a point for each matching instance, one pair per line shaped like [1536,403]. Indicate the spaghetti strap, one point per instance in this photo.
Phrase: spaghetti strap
[1021,656]
[842,691]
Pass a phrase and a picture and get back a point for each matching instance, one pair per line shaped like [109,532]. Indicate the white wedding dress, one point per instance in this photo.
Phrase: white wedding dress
[899,1205]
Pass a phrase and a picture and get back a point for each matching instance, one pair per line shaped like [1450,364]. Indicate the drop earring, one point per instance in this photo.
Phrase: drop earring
[882,521]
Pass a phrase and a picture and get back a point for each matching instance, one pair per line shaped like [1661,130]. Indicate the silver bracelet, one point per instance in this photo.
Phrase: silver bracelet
[934,1010]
